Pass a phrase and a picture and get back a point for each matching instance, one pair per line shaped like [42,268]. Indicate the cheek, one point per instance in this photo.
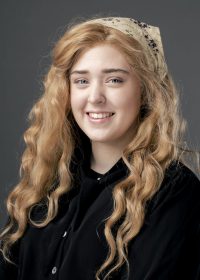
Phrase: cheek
[129,105]
[77,102]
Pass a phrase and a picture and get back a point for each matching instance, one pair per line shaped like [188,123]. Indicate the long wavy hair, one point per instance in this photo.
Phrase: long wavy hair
[51,142]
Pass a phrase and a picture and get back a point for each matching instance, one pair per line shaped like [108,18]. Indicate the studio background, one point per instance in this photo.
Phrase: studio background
[29,30]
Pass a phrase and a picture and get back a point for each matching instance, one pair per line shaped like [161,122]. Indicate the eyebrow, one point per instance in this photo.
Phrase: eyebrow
[105,71]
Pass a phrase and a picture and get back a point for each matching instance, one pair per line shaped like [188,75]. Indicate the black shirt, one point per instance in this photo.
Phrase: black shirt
[73,246]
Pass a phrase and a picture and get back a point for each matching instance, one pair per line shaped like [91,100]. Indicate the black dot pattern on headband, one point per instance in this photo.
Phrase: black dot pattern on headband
[144,27]
[148,38]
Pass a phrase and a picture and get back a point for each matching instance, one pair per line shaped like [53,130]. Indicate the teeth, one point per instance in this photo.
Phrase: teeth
[100,115]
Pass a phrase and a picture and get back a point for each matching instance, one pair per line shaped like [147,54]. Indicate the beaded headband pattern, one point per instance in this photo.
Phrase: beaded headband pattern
[148,36]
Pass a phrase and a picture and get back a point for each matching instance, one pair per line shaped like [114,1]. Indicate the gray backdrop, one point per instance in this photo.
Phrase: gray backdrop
[28,31]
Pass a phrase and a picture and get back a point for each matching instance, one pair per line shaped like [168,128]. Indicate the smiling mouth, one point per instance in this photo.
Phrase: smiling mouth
[99,115]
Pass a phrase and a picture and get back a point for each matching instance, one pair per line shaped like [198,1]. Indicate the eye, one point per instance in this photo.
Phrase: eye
[116,81]
[80,81]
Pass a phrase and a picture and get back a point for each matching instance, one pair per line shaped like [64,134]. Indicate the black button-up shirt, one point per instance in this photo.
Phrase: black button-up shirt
[73,246]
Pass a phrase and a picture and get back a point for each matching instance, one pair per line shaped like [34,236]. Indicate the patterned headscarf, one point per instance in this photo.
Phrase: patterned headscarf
[147,35]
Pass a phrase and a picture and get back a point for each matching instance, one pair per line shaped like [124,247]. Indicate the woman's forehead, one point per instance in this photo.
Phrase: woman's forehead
[105,57]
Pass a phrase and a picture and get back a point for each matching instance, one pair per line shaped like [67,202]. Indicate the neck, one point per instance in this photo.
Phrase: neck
[104,156]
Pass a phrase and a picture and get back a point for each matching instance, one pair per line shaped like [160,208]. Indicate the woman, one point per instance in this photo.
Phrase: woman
[104,190]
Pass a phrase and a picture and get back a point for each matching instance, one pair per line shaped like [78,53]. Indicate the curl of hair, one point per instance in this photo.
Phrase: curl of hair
[50,143]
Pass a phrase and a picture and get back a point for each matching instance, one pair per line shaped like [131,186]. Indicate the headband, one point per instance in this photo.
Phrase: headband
[147,35]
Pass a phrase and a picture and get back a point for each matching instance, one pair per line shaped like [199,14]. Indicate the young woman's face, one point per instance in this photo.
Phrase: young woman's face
[105,95]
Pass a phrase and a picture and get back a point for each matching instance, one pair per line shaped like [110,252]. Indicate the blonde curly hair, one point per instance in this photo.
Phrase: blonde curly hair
[51,141]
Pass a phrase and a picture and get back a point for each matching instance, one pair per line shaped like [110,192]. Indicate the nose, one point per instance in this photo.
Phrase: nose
[96,94]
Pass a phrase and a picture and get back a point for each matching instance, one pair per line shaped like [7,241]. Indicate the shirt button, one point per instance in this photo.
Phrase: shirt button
[99,178]
[54,270]
[65,233]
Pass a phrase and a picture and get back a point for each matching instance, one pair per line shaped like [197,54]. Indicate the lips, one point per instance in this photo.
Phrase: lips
[101,115]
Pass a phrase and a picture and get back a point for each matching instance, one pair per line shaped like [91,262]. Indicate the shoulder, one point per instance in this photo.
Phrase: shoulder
[179,190]
[179,177]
